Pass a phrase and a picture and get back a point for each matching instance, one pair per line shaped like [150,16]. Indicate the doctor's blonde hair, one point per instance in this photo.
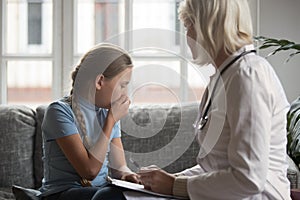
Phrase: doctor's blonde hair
[218,23]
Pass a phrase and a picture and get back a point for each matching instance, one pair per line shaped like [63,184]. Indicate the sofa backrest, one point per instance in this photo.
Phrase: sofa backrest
[17,133]
[151,134]
[162,135]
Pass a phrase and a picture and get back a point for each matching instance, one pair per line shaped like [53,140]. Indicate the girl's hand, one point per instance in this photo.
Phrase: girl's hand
[131,177]
[157,180]
[119,108]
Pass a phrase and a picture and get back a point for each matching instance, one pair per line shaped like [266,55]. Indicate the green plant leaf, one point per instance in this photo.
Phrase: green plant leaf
[271,40]
[282,44]
[296,46]
[275,51]
[287,46]
[259,38]
[291,55]
[265,46]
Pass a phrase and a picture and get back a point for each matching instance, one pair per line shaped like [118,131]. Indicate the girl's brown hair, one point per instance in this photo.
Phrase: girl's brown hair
[106,59]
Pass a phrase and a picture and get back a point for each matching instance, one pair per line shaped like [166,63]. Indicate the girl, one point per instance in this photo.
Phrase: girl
[82,131]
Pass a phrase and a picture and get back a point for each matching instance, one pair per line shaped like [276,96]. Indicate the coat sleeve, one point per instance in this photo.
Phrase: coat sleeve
[195,170]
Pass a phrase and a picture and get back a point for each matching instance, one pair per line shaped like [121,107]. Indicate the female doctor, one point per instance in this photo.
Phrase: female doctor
[241,127]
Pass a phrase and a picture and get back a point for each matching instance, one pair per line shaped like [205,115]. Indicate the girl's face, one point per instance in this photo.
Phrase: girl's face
[112,89]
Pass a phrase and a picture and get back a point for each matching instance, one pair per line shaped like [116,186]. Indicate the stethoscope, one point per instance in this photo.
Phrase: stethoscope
[201,120]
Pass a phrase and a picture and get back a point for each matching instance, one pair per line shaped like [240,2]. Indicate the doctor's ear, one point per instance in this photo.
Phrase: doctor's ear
[99,81]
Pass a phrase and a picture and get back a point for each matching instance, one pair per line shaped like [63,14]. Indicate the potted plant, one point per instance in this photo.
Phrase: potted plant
[293,116]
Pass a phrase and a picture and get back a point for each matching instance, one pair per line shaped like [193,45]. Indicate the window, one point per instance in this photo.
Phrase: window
[43,39]
[34,22]
[26,52]
[151,31]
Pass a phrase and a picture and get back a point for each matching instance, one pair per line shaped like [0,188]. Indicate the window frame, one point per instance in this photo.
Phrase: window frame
[55,56]
[63,43]
[128,25]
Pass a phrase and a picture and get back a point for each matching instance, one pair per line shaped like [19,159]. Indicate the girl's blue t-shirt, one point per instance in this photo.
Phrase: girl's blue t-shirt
[59,121]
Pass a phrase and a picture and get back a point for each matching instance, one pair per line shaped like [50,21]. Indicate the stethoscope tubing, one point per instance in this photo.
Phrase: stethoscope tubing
[202,119]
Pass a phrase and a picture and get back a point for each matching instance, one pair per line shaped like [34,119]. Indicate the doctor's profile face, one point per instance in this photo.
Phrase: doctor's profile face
[191,38]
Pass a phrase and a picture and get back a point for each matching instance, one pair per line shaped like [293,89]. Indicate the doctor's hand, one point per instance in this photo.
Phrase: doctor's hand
[157,180]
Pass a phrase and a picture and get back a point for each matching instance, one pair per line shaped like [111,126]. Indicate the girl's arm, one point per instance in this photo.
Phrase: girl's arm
[118,163]
[84,162]
[89,162]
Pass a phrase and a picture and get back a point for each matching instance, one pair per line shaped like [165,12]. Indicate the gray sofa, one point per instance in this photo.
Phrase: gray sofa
[160,134]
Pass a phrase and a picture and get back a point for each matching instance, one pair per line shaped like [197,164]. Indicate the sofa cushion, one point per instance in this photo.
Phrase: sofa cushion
[161,134]
[17,129]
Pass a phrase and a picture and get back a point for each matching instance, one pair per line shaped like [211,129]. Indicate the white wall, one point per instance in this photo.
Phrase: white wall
[281,19]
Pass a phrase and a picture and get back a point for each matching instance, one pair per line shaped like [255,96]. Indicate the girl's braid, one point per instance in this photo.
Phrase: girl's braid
[71,100]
